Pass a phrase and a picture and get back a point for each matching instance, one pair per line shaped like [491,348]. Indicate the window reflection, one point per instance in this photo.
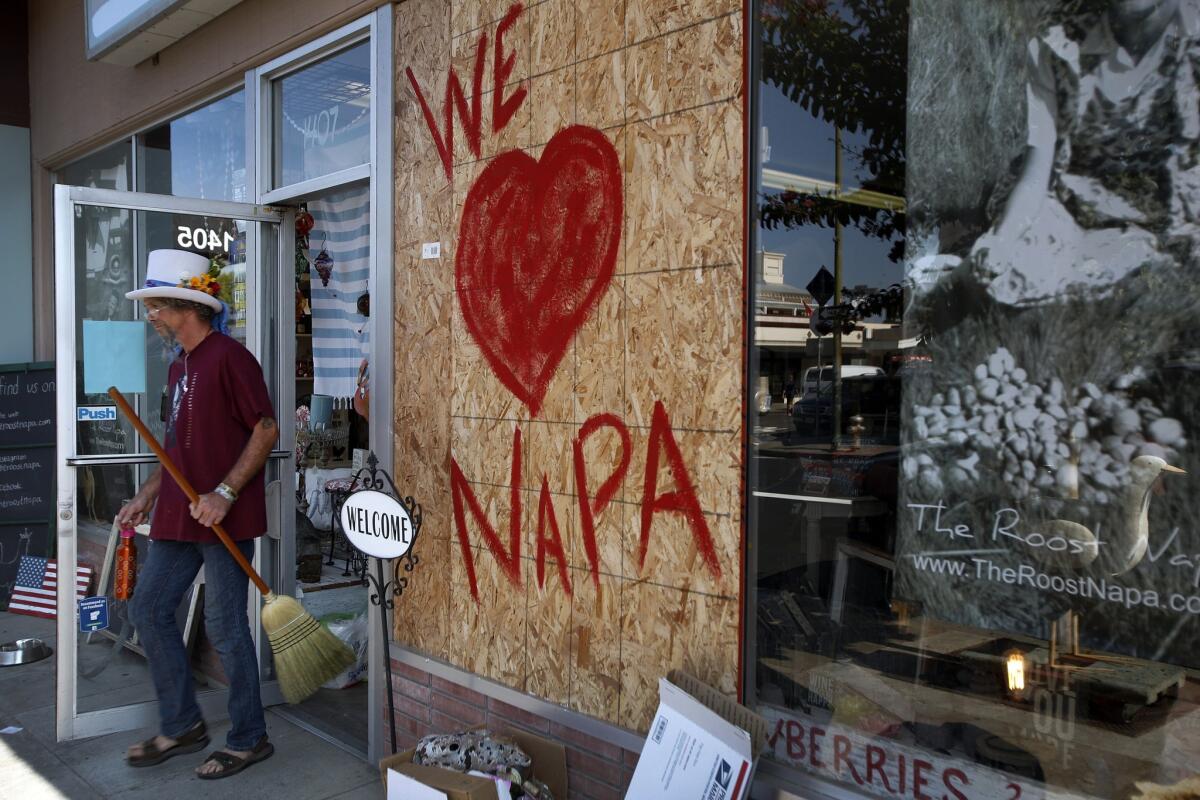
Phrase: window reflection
[103,236]
[323,117]
[104,271]
[201,154]
[969,515]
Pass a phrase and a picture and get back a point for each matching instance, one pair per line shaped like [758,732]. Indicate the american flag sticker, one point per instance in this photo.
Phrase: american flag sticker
[36,590]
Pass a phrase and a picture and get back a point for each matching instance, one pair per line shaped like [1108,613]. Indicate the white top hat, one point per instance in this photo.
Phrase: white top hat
[166,270]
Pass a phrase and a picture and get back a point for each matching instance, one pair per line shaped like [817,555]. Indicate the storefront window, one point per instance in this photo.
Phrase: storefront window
[323,117]
[104,236]
[971,504]
[201,154]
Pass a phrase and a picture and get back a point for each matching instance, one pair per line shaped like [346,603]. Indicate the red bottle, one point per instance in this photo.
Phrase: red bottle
[126,574]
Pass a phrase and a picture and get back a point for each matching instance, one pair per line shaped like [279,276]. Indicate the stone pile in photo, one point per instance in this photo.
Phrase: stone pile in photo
[1035,436]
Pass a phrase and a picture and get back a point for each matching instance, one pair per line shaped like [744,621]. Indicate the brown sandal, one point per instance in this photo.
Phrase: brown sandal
[232,765]
[193,739]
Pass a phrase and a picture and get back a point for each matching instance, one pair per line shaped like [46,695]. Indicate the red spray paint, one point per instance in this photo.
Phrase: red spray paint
[502,109]
[681,500]
[460,492]
[552,545]
[589,510]
[537,248]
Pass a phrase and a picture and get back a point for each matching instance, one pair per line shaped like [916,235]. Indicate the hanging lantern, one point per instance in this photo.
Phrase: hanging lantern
[304,223]
[1014,667]
[323,263]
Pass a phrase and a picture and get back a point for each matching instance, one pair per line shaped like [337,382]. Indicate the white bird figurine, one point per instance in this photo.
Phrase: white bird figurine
[1126,545]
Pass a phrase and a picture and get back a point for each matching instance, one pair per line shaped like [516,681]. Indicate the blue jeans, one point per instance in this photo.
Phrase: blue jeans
[162,581]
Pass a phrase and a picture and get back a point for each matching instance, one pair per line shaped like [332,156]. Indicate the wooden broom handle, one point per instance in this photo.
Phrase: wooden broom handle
[170,467]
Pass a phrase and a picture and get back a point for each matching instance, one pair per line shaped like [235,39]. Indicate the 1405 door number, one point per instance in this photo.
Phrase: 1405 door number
[203,239]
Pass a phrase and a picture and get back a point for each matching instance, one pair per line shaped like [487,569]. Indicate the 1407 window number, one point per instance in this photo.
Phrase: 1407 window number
[203,239]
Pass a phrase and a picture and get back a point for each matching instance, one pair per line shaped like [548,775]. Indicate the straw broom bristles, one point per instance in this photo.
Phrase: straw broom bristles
[306,653]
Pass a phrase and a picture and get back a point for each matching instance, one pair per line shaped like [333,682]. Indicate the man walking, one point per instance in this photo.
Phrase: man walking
[789,393]
[220,428]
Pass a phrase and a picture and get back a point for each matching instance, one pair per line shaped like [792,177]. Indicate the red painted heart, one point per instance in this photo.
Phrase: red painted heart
[537,247]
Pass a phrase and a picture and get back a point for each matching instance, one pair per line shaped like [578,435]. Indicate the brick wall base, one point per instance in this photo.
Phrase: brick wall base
[427,703]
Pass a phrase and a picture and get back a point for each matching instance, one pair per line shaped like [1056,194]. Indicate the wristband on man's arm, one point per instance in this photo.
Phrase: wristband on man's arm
[226,491]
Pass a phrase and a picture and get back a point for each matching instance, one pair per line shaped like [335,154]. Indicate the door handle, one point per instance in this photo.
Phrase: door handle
[273,528]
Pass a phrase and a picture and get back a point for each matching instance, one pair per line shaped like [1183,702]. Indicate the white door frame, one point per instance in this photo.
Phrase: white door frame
[376,28]
[70,723]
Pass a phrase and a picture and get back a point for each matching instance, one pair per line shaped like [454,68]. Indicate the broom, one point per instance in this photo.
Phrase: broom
[306,653]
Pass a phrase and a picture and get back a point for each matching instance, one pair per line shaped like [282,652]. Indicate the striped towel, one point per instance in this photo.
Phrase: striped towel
[339,331]
[36,590]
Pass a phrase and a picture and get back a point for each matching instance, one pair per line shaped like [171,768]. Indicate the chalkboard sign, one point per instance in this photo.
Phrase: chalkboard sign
[27,403]
[26,483]
[27,467]
[17,540]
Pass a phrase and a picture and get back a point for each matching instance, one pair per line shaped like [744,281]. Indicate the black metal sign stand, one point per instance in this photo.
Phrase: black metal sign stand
[385,592]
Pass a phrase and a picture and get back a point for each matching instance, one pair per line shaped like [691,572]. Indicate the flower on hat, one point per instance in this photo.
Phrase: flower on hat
[207,282]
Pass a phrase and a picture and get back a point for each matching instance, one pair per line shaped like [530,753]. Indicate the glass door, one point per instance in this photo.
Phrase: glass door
[102,241]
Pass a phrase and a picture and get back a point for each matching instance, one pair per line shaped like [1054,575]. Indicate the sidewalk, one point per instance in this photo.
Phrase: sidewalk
[34,766]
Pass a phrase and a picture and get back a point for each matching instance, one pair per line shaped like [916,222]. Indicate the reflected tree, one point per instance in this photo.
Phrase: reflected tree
[845,62]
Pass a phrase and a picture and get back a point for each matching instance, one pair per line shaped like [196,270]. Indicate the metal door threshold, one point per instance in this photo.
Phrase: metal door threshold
[355,748]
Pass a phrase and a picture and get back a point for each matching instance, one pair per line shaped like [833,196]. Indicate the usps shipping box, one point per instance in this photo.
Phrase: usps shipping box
[701,745]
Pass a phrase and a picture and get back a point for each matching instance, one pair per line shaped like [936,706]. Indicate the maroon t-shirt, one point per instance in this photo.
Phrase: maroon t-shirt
[217,396]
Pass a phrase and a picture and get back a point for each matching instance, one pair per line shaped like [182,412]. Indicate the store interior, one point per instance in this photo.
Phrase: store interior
[332,434]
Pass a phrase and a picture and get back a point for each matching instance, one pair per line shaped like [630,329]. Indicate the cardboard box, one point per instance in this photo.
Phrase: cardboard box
[549,767]
[408,781]
[702,745]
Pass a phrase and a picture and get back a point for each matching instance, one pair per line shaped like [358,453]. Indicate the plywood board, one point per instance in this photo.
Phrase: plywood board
[468,15]
[647,18]
[549,614]
[483,447]
[551,103]
[547,458]
[602,90]
[673,556]
[495,503]
[611,529]
[561,511]
[507,626]
[422,614]
[599,27]
[552,35]
[660,82]
[684,203]
[475,391]
[421,419]
[686,68]
[663,629]
[710,460]
[684,333]
[600,355]
[595,652]
[470,631]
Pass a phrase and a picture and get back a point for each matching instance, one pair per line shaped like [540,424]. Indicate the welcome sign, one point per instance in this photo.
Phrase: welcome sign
[377,524]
